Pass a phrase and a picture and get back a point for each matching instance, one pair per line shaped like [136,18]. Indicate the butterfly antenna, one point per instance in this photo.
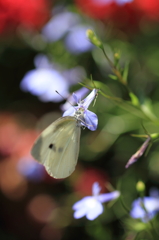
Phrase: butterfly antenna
[60,94]
[64,98]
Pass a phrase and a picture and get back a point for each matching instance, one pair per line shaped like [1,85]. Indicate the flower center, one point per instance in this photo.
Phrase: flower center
[91,203]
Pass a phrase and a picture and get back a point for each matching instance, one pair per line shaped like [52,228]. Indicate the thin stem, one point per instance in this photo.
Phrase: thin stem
[123,205]
[121,80]
[115,70]
[139,233]
[153,227]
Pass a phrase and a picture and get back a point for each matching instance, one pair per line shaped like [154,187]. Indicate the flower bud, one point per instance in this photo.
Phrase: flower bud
[154,136]
[93,38]
[140,186]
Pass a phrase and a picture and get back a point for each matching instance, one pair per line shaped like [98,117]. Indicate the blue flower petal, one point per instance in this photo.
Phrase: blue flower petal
[154,192]
[80,212]
[96,189]
[137,211]
[95,212]
[91,120]
[83,206]
[75,97]
[69,112]
[43,83]
[151,204]
[79,94]
[79,204]
[76,41]
[87,101]
[105,197]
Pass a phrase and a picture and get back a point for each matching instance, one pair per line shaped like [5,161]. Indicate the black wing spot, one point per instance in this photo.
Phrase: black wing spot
[60,149]
[52,146]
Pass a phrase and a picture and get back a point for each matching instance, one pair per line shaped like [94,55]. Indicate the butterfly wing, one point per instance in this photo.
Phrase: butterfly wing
[57,147]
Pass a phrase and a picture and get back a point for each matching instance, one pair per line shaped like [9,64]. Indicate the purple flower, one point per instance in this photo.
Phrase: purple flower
[91,206]
[88,118]
[145,208]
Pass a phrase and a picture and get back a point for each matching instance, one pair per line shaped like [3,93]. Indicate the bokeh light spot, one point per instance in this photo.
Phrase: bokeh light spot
[41,207]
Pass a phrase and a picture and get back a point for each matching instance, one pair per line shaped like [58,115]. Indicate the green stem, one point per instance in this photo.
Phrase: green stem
[123,205]
[115,70]
[121,80]
[153,227]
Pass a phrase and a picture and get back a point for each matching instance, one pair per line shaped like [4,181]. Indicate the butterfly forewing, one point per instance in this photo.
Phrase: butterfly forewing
[57,147]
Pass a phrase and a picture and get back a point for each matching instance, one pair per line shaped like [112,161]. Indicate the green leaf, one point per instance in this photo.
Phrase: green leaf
[113,76]
[125,72]
[134,99]
[147,108]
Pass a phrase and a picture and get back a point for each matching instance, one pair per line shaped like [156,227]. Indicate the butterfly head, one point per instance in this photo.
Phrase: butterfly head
[79,114]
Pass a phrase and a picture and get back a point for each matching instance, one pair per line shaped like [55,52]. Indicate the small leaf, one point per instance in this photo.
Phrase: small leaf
[134,99]
[113,76]
[147,108]
[125,72]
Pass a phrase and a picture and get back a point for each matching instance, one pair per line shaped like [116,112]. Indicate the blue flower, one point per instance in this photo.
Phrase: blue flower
[88,118]
[145,208]
[69,27]
[62,22]
[91,206]
[46,78]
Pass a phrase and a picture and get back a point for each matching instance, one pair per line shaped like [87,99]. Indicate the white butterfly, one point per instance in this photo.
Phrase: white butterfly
[57,147]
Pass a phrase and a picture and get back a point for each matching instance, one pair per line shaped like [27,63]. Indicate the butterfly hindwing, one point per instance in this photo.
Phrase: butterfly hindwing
[57,147]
